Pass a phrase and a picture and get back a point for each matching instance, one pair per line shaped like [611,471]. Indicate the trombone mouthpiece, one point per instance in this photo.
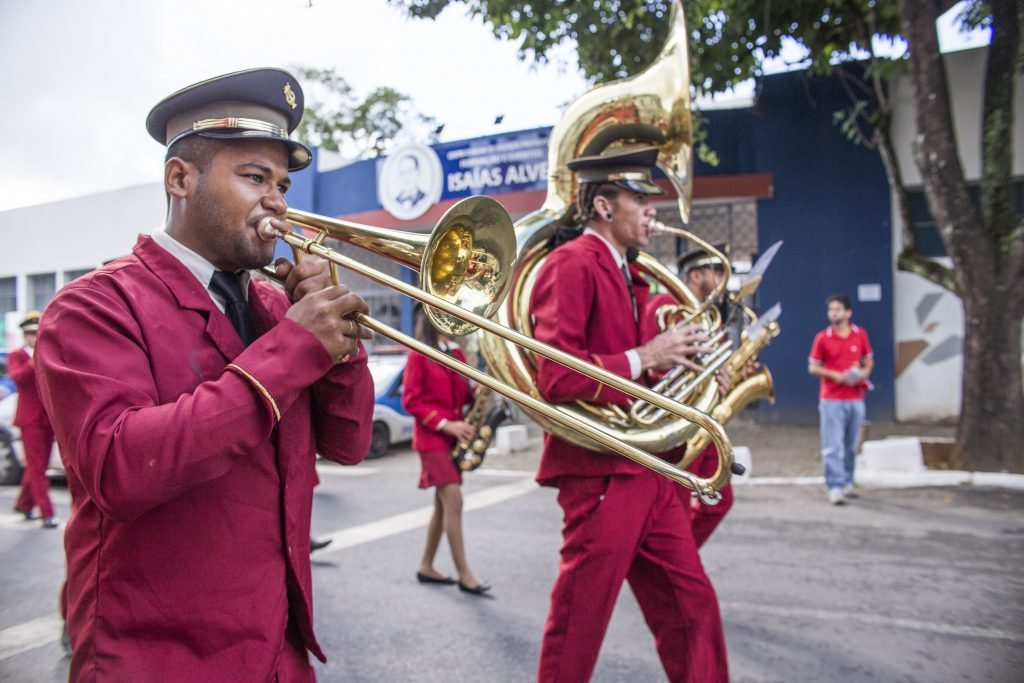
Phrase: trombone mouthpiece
[266,231]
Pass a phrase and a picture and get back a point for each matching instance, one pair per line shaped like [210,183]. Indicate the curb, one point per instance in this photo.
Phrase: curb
[900,480]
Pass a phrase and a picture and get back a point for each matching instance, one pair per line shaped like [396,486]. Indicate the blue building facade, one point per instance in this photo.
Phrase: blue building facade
[829,202]
[831,205]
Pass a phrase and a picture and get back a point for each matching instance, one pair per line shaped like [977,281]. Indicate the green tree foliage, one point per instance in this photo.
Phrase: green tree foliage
[730,38]
[337,120]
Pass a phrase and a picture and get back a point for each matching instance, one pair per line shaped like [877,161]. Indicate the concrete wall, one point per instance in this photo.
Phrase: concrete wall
[75,234]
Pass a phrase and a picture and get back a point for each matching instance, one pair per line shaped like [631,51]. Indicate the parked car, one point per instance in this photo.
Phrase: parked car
[12,457]
[7,385]
[391,423]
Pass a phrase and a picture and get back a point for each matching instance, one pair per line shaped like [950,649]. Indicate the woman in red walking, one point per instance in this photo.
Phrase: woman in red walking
[437,397]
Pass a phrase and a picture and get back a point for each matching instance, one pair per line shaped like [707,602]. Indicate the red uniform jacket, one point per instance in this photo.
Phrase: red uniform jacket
[431,393]
[188,540]
[30,409]
[581,305]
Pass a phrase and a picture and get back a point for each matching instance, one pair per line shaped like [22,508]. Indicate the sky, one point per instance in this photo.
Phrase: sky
[80,76]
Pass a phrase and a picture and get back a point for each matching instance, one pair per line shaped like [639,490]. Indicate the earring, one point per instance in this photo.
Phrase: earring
[608,217]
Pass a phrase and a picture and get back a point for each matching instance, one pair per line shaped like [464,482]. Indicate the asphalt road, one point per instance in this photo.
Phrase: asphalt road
[902,585]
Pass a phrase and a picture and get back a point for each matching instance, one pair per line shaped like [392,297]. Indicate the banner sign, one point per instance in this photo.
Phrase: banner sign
[415,177]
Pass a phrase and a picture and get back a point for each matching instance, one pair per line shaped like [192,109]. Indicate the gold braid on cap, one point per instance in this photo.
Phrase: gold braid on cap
[615,177]
[238,122]
[703,262]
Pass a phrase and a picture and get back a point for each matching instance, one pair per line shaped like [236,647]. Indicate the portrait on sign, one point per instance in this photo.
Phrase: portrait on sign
[409,181]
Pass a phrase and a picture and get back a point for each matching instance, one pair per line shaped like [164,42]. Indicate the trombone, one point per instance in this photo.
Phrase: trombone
[465,272]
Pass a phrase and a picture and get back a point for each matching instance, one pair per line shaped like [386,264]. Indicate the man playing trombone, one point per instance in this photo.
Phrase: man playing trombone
[188,437]
[621,520]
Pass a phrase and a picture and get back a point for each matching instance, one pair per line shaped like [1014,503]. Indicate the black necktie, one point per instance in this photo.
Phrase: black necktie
[629,286]
[236,307]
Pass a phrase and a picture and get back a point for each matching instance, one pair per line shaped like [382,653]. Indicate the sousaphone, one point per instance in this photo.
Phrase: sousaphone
[651,108]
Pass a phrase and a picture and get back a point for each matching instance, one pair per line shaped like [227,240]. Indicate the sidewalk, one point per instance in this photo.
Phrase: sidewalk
[790,454]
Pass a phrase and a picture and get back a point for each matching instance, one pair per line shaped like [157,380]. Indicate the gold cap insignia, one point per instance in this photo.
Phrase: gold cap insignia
[289,96]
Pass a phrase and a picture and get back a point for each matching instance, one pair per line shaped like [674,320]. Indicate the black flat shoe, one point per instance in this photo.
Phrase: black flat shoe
[445,581]
[317,545]
[480,590]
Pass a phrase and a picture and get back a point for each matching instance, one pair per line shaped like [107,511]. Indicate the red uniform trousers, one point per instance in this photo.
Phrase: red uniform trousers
[630,527]
[704,518]
[293,666]
[37,440]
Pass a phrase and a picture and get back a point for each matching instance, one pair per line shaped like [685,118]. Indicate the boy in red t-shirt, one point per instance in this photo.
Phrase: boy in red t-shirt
[841,357]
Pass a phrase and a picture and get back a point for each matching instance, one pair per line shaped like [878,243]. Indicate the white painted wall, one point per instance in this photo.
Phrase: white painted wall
[929,324]
[74,234]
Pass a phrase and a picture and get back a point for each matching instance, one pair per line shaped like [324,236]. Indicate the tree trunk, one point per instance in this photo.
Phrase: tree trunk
[987,255]
[990,436]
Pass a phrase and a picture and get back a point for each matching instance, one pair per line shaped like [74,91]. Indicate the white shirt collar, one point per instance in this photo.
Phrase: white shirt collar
[197,265]
[620,260]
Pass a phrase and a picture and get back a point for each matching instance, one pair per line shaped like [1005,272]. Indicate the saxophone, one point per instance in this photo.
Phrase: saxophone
[468,455]
[753,388]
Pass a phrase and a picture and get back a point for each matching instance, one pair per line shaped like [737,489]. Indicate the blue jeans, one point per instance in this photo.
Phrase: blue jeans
[840,427]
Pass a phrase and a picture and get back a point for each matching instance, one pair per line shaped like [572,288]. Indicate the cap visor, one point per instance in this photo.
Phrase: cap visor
[299,155]
[641,186]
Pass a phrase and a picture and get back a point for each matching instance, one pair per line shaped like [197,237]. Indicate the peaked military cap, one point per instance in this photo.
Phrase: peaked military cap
[701,258]
[629,168]
[256,103]
[31,322]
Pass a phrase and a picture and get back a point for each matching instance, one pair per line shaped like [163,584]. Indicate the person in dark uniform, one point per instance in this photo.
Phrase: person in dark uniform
[702,272]
[190,446]
[437,397]
[36,432]
[622,522]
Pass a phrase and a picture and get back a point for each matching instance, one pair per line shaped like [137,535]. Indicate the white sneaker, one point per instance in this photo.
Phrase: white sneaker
[835,496]
[849,492]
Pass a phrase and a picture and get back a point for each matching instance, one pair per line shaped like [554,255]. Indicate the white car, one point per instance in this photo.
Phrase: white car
[391,424]
[12,455]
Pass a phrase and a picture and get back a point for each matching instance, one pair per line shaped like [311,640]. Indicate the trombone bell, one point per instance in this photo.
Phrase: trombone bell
[467,259]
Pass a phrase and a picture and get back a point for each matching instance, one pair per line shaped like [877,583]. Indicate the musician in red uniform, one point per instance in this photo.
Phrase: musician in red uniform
[190,444]
[702,272]
[621,520]
[437,397]
[36,432]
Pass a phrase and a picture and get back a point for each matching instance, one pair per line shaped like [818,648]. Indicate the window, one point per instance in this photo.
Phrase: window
[926,233]
[41,288]
[8,294]
[70,275]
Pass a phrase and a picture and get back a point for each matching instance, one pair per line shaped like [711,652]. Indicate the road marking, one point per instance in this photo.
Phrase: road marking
[336,470]
[46,630]
[504,473]
[418,518]
[29,635]
[937,628]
